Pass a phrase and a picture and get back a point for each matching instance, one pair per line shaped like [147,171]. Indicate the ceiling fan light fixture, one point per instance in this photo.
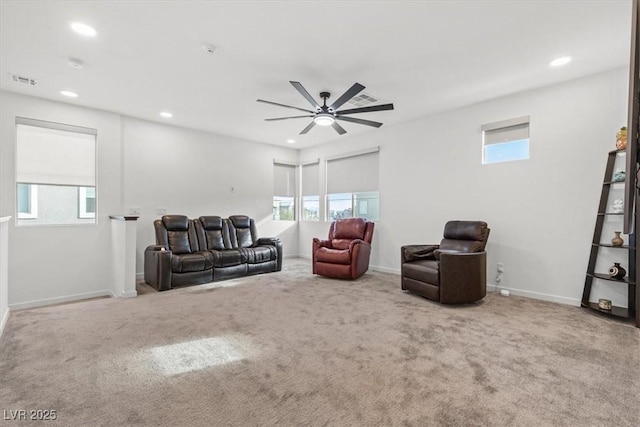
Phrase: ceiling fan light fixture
[324,119]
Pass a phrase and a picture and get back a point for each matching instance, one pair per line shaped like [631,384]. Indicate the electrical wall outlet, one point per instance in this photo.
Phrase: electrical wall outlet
[134,211]
[161,211]
[500,267]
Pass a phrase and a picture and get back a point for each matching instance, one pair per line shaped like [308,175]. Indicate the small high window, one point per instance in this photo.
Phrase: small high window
[505,141]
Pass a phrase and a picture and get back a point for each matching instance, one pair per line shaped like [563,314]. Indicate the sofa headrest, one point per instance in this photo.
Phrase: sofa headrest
[240,221]
[175,222]
[350,228]
[211,222]
[466,230]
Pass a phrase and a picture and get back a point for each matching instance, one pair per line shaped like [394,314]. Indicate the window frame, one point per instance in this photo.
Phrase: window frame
[82,203]
[33,202]
[282,197]
[354,201]
[505,125]
[310,198]
[34,185]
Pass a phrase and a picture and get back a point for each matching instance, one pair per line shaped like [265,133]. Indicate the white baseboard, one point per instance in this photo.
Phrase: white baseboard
[385,269]
[129,294]
[58,300]
[535,295]
[3,322]
[372,267]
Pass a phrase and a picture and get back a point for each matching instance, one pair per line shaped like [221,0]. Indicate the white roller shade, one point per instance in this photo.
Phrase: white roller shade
[53,156]
[508,134]
[506,131]
[353,174]
[310,179]
[284,180]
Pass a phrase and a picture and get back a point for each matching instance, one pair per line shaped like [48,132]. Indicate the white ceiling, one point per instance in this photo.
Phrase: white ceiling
[425,57]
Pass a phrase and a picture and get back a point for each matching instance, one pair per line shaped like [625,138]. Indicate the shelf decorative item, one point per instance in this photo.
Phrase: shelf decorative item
[617,240]
[619,175]
[616,271]
[621,138]
[618,206]
[604,304]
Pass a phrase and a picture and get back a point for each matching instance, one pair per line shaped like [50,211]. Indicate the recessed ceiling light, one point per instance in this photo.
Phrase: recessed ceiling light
[558,62]
[166,114]
[291,141]
[68,94]
[83,29]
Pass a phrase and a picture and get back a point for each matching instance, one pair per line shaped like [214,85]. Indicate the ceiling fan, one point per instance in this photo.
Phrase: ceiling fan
[324,115]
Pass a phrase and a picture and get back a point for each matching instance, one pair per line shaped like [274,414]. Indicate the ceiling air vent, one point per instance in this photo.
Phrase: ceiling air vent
[25,80]
[362,99]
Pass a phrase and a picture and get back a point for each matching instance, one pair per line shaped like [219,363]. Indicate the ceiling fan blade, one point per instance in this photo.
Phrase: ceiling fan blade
[369,109]
[285,118]
[353,91]
[338,128]
[306,95]
[360,121]
[283,105]
[308,128]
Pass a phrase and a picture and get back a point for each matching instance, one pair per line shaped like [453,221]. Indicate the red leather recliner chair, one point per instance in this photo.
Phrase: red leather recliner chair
[345,255]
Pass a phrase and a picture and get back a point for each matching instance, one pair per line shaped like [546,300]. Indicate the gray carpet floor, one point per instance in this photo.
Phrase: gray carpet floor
[292,349]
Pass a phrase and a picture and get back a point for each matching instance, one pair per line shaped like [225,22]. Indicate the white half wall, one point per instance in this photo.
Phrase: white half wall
[194,173]
[4,276]
[541,211]
[49,264]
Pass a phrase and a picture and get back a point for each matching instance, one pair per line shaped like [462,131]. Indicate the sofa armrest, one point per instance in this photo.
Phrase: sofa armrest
[277,243]
[355,242]
[360,254]
[321,243]
[317,244]
[463,277]
[157,267]
[416,252]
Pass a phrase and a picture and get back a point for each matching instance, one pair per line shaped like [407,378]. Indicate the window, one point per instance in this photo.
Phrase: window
[352,186]
[310,206]
[55,173]
[27,198]
[505,141]
[86,202]
[347,205]
[284,192]
[283,208]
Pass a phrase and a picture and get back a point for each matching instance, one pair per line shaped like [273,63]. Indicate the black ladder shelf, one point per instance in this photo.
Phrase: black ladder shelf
[630,280]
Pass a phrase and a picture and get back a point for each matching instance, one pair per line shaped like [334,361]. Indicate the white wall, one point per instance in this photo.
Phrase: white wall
[541,211]
[197,173]
[4,274]
[49,264]
[142,165]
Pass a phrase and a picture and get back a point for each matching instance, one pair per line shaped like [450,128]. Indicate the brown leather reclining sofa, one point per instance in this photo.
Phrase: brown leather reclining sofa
[210,248]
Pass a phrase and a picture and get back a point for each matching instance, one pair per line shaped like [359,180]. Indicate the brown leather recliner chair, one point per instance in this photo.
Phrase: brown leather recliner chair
[453,272]
[345,255]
